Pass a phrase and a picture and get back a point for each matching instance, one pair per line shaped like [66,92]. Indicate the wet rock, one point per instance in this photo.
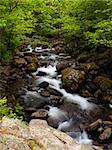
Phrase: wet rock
[108,123]
[56,100]
[40,73]
[110,118]
[82,58]
[44,93]
[20,62]
[98,93]
[7,70]
[103,82]
[89,66]
[101,130]
[44,63]
[32,54]
[40,113]
[54,92]
[34,101]
[106,134]
[90,86]
[32,67]
[73,79]
[31,59]
[44,84]
[45,46]
[59,47]
[86,93]
[95,125]
[62,65]
[108,96]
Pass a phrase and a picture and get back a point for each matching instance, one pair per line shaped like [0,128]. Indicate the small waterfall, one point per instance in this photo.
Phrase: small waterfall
[74,98]
[66,125]
[83,138]
[50,70]
[57,113]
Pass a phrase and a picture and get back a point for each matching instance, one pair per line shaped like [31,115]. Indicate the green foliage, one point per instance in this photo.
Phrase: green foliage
[15,21]
[84,24]
[17,112]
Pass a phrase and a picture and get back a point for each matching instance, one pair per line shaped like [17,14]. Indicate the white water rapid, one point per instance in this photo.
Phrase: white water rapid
[54,79]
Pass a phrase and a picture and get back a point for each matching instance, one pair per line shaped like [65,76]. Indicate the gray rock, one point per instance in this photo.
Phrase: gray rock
[44,93]
[44,84]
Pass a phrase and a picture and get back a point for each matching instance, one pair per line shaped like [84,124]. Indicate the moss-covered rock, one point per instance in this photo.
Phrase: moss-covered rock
[86,93]
[31,59]
[62,65]
[73,79]
[108,96]
[103,82]
[32,67]
[89,66]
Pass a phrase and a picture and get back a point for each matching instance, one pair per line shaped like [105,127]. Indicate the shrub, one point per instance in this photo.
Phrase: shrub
[17,112]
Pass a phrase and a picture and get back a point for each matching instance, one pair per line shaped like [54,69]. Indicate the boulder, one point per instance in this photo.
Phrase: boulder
[62,65]
[44,93]
[7,70]
[34,101]
[41,73]
[73,79]
[20,62]
[54,92]
[95,125]
[107,133]
[44,84]
[86,93]
[31,59]
[15,135]
[89,66]
[108,96]
[103,83]
[40,113]
[32,67]
[101,129]
[56,100]
[98,94]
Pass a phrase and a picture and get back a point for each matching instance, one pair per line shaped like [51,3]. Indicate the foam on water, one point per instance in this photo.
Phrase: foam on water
[74,135]
[57,113]
[74,98]
[52,82]
[64,126]
[83,138]
[52,57]
[110,105]
[50,70]
[42,57]
[37,49]
[30,48]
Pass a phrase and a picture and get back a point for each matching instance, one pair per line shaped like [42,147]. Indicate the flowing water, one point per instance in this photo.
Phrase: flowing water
[74,111]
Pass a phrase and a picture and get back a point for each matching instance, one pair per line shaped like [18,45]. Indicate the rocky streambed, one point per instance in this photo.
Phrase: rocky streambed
[73,97]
